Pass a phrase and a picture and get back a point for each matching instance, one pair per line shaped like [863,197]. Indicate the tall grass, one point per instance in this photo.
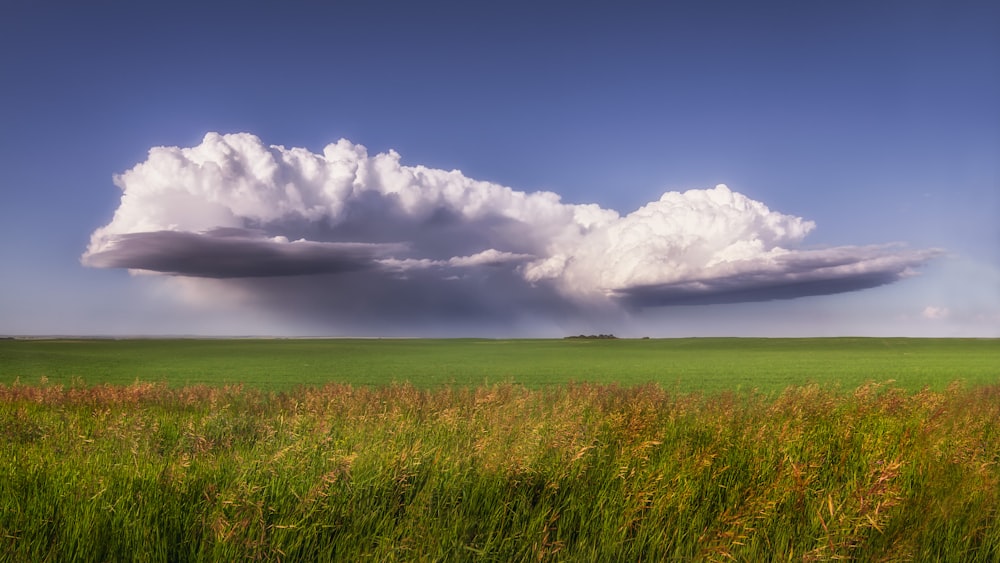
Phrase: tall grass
[148,472]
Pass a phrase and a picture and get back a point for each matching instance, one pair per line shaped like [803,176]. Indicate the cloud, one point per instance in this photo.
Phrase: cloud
[347,239]
[935,313]
[785,276]
[233,253]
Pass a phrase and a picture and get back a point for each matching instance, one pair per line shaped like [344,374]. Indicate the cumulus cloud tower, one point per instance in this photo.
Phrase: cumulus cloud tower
[236,209]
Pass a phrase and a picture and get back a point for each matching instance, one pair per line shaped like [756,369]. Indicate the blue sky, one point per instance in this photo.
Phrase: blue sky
[876,121]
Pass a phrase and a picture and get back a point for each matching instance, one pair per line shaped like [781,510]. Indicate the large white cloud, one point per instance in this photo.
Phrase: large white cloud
[358,238]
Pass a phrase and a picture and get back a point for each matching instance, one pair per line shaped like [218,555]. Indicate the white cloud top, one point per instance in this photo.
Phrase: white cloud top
[233,208]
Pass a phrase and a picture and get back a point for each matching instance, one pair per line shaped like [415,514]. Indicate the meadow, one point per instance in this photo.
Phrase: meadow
[695,364]
[703,449]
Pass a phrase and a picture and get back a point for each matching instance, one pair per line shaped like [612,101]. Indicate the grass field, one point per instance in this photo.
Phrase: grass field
[703,364]
[478,450]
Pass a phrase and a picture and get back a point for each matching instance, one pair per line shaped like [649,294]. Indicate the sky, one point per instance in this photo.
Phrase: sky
[509,169]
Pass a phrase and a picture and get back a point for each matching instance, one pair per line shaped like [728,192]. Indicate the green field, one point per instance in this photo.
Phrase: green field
[701,364]
[485,450]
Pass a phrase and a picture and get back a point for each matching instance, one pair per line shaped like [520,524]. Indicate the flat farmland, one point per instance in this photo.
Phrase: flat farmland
[500,450]
[686,365]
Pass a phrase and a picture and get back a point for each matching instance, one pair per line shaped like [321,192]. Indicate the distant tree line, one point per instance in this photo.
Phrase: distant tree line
[593,337]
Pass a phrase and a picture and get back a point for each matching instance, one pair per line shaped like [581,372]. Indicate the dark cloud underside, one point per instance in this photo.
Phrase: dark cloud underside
[209,255]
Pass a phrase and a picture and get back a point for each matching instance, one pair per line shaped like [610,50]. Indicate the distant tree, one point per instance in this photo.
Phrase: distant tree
[592,337]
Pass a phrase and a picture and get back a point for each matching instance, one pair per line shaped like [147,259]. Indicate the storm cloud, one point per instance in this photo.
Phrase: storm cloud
[233,253]
[345,238]
[792,275]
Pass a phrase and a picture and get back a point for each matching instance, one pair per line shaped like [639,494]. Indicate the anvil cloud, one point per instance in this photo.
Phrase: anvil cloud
[347,237]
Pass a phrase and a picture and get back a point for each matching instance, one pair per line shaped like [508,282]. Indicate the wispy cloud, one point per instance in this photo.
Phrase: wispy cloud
[935,313]
[351,238]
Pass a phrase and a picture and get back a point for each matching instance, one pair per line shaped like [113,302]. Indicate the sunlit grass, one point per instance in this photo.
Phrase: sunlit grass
[497,473]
